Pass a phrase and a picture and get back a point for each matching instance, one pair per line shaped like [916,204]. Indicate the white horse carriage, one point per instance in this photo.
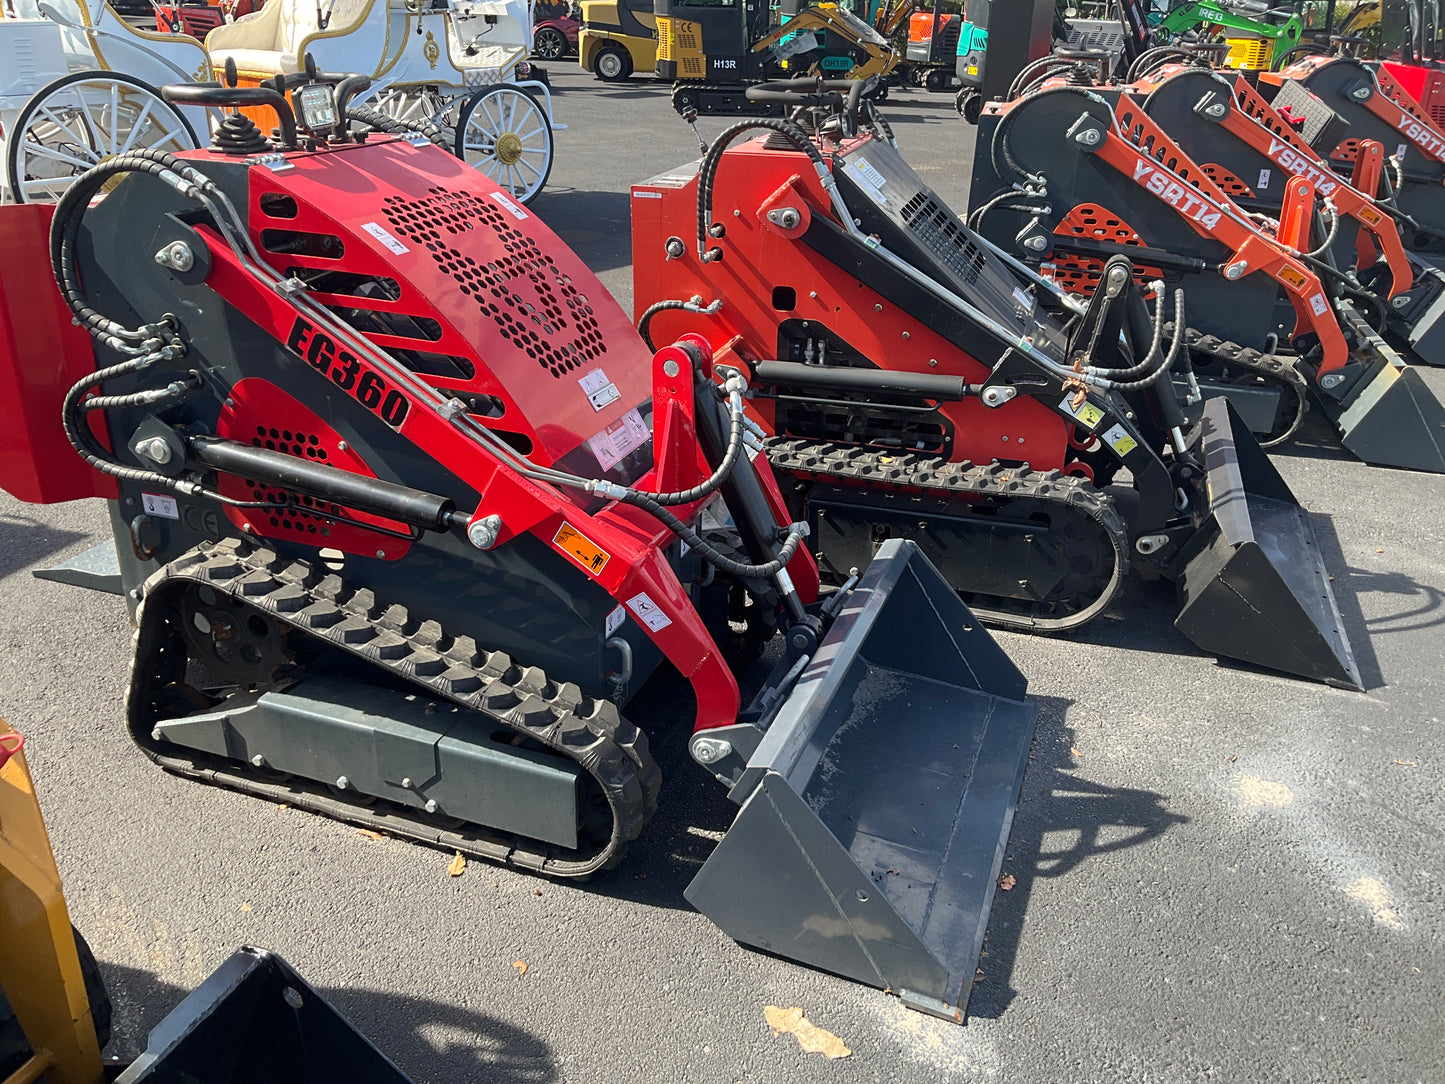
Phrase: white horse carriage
[79,84]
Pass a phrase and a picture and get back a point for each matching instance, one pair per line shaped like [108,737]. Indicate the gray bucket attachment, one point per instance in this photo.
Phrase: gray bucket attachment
[1388,416]
[1253,585]
[1394,420]
[875,811]
[256,1021]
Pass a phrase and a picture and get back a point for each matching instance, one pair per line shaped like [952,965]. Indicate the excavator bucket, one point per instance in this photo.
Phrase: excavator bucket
[875,811]
[1254,586]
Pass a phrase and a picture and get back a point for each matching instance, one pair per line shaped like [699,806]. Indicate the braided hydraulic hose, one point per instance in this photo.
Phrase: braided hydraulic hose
[714,556]
[77,431]
[644,322]
[1169,359]
[1333,214]
[65,228]
[379,121]
[1151,357]
[975,219]
[1152,59]
[708,170]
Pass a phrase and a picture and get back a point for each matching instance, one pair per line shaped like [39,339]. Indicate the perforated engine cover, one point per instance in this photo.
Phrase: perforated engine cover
[460,283]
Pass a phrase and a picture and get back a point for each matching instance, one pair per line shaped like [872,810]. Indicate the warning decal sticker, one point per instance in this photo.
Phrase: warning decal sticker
[589,555]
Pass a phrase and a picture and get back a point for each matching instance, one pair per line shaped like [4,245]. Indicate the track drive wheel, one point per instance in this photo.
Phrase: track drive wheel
[969,104]
[936,79]
[503,132]
[684,99]
[613,64]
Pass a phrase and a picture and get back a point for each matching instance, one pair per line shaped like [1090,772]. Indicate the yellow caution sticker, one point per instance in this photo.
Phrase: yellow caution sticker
[1118,438]
[589,554]
[1290,277]
[1086,412]
[1368,216]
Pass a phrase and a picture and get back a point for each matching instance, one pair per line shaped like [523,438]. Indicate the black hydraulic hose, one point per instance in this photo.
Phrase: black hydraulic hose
[1147,362]
[1330,236]
[1023,78]
[975,219]
[713,159]
[644,322]
[999,145]
[719,476]
[376,119]
[714,556]
[77,430]
[151,397]
[65,229]
[1169,359]
[1152,59]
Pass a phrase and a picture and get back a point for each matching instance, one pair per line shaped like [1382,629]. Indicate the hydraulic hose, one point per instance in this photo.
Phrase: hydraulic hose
[975,219]
[708,170]
[644,322]
[734,388]
[714,556]
[998,146]
[65,229]
[1169,359]
[1151,357]
[1332,212]
[376,119]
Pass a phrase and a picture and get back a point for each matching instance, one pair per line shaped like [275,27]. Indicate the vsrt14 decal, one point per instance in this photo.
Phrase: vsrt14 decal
[1422,136]
[347,373]
[1301,166]
[1178,195]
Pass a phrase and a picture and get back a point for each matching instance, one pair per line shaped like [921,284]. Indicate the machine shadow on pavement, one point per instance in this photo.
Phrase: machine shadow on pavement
[1062,822]
[596,225]
[1316,439]
[433,1042]
[27,541]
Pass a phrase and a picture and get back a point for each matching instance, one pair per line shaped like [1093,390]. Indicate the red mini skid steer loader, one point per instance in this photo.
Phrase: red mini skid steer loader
[405,511]
[919,383]
[1252,150]
[1072,175]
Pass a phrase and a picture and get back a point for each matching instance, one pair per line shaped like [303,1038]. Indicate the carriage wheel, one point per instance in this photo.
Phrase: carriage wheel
[504,133]
[414,107]
[80,120]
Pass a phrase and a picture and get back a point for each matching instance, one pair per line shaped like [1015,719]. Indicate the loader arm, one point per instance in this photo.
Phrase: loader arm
[1184,187]
[1241,112]
[881,59]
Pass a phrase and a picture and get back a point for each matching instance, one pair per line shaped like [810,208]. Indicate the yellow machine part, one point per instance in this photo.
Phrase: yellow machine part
[1249,54]
[882,59]
[598,13]
[39,966]
[680,41]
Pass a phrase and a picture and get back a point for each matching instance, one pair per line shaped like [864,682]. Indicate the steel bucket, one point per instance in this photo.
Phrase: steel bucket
[875,811]
[256,1021]
[1253,584]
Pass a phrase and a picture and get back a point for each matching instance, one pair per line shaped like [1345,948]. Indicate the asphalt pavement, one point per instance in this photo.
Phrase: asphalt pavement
[1220,874]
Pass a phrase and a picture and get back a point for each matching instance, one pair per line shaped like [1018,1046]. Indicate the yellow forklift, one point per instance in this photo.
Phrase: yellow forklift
[618,37]
[713,50]
[254,1021]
